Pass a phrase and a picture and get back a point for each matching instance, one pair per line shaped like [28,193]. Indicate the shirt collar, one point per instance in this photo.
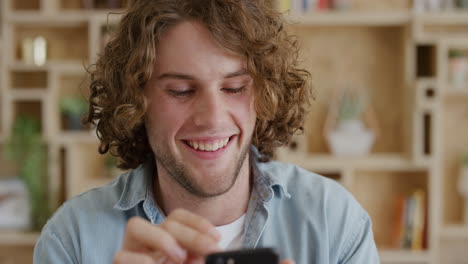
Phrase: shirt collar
[138,182]
[136,186]
[266,181]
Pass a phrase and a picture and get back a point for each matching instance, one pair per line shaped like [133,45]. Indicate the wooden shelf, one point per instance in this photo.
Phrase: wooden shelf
[446,25]
[404,256]
[330,162]
[57,65]
[351,18]
[454,232]
[444,18]
[18,238]
[23,94]
[452,92]
[58,20]
[64,18]
[70,137]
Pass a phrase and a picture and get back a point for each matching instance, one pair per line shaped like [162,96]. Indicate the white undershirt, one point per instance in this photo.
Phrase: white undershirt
[232,234]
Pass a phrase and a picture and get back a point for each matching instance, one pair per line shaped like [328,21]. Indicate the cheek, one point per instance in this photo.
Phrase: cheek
[163,117]
[245,111]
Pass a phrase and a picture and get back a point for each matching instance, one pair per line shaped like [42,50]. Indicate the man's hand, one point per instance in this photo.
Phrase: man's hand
[183,238]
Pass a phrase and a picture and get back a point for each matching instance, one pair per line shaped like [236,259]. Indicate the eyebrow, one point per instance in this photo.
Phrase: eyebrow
[182,76]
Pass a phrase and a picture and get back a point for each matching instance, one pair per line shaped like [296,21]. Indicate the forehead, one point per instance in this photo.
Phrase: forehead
[189,47]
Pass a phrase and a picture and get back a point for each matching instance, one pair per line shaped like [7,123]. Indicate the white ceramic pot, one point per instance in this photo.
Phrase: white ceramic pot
[351,138]
[15,208]
[458,71]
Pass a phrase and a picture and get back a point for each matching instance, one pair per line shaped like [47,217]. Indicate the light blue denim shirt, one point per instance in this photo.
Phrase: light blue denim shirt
[304,216]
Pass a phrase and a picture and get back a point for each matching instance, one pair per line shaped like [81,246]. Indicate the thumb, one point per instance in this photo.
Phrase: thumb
[287,261]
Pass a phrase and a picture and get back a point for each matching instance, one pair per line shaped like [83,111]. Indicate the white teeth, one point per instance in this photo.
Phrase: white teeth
[207,146]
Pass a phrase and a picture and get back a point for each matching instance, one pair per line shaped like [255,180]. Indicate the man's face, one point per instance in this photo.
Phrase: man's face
[201,114]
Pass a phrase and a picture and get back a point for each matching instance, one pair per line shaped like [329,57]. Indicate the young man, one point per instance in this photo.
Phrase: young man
[194,96]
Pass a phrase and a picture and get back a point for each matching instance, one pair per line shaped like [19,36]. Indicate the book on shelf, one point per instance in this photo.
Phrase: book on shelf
[410,221]
[303,6]
[399,222]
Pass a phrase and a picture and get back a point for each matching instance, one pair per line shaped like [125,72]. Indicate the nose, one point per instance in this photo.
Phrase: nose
[209,109]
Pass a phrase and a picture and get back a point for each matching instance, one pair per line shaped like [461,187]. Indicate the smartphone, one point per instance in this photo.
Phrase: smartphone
[244,256]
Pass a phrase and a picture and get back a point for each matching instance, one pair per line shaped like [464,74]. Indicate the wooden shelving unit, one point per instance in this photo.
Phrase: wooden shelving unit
[73,36]
[18,238]
[401,58]
[351,18]
[398,56]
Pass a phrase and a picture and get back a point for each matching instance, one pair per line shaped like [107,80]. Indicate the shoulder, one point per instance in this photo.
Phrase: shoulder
[316,198]
[96,200]
[322,208]
[303,184]
[88,209]
[74,227]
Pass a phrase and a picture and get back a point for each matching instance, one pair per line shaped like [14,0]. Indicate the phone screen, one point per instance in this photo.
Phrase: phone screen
[244,256]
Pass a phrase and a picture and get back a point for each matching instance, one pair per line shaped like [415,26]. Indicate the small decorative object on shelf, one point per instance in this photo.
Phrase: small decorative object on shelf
[458,69]
[305,6]
[342,4]
[345,129]
[111,167]
[25,147]
[463,185]
[73,109]
[34,50]
[15,209]
[434,5]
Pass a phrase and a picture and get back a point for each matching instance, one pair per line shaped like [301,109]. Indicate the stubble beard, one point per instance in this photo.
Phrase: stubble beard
[181,174]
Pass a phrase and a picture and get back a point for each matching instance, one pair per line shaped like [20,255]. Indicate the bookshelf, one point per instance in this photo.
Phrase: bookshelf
[73,35]
[399,56]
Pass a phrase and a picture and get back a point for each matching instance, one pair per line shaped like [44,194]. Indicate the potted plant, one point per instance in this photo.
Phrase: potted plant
[73,108]
[458,69]
[463,184]
[26,148]
[345,128]
[463,4]
[111,167]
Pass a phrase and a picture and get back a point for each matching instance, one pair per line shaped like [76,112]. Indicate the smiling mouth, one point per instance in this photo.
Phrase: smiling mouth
[208,146]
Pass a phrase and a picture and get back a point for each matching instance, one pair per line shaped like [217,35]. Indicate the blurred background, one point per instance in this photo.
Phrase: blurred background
[389,120]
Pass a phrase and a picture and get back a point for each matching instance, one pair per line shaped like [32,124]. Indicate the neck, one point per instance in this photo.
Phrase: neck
[219,210]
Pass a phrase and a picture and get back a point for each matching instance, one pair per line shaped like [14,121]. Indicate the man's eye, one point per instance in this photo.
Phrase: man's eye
[184,93]
[235,90]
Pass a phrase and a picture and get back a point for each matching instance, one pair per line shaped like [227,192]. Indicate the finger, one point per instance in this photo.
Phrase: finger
[124,257]
[191,239]
[287,261]
[141,234]
[195,221]
[159,257]
[195,260]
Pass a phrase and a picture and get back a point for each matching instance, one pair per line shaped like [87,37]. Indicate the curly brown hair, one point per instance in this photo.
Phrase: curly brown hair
[250,28]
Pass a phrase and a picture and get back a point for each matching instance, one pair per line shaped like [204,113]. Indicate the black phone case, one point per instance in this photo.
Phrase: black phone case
[244,256]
